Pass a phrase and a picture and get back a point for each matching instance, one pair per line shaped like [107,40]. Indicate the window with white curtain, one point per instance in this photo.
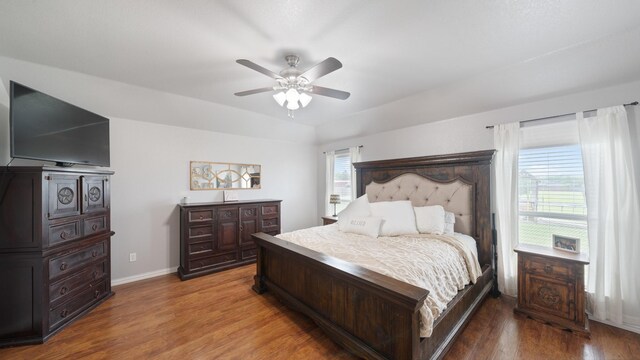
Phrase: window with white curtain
[342,178]
[551,192]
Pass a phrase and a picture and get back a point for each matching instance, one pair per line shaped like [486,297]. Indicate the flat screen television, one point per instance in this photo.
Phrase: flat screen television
[46,128]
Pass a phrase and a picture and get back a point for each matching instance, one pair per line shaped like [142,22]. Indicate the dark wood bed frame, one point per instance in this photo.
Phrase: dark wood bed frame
[372,315]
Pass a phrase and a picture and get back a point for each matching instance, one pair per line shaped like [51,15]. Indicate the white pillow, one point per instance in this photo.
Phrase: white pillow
[449,220]
[430,219]
[358,208]
[369,226]
[398,216]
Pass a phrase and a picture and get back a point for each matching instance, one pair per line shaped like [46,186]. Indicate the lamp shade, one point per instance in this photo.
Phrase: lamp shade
[280,98]
[334,199]
[305,99]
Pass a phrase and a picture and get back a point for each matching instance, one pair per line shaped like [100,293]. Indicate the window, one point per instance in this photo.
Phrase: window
[551,195]
[342,178]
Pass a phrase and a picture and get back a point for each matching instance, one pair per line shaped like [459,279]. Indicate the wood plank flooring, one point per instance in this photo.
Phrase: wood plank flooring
[220,317]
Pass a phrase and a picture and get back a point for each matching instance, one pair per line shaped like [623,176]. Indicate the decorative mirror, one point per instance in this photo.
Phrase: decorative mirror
[223,176]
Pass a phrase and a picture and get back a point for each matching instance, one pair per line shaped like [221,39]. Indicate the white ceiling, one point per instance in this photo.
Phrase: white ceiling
[483,54]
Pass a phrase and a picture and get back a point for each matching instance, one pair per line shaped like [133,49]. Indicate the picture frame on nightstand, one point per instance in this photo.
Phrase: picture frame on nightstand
[566,243]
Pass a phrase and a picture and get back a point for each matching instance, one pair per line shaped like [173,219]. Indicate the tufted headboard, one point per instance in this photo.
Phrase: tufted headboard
[459,182]
[454,195]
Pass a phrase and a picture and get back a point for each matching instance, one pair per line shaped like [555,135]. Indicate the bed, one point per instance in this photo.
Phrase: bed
[376,316]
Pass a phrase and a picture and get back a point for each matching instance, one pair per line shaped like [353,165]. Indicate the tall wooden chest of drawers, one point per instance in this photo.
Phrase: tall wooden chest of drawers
[55,230]
[217,236]
[551,287]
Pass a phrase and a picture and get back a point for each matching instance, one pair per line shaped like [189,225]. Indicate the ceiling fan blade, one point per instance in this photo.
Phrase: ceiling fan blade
[258,68]
[321,69]
[338,94]
[254,91]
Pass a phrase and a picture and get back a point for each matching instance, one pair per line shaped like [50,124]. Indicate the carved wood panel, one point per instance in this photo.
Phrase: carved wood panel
[94,193]
[227,235]
[63,196]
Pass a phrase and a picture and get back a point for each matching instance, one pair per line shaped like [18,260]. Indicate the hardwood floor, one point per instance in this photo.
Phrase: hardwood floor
[219,316]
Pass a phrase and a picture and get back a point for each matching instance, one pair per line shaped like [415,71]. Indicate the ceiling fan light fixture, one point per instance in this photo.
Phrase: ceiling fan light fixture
[292,105]
[294,89]
[305,99]
[292,96]
[280,98]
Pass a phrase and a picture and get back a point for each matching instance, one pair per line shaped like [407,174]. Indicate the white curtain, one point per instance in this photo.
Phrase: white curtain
[613,218]
[330,157]
[506,139]
[354,153]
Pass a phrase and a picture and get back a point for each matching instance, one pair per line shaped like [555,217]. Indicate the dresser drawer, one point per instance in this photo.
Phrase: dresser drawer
[199,232]
[66,264]
[212,261]
[249,254]
[68,310]
[200,215]
[95,225]
[70,285]
[61,233]
[549,267]
[200,247]
[272,224]
[270,210]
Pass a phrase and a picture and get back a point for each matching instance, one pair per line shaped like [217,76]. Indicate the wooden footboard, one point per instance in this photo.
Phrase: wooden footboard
[372,315]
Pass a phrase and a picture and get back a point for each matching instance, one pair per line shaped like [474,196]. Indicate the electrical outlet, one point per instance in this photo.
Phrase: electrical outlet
[132,257]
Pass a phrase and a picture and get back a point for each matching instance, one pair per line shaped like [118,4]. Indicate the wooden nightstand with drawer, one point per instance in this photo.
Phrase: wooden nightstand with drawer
[328,220]
[551,287]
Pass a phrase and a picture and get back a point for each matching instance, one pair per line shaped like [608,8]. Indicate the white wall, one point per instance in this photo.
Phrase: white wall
[468,133]
[152,175]
[151,160]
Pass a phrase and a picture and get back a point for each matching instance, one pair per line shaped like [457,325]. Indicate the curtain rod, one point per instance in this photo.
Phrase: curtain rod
[557,116]
[324,152]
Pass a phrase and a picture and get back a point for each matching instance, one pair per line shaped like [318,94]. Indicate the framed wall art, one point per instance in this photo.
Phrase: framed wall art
[224,176]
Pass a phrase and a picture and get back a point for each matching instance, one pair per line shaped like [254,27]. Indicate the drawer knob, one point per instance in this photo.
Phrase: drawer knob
[63,235]
[96,294]
[64,313]
[94,227]
[94,253]
[548,269]
[63,290]
[201,217]
[63,266]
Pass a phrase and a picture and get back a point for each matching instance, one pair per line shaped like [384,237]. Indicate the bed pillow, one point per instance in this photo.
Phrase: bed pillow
[369,226]
[358,208]
[449,220]
[398,217]
[430,219]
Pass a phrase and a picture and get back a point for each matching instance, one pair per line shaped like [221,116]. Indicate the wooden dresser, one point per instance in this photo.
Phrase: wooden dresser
[551,287]
[217,236]
[55,230]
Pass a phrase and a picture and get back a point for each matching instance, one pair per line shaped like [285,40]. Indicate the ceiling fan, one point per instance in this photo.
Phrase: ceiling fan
[294,86]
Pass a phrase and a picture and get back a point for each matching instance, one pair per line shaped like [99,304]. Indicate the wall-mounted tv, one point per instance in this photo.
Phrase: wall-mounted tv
[46,128]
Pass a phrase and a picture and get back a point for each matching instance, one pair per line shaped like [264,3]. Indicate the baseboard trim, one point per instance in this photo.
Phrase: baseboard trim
[619,326]
[143,276]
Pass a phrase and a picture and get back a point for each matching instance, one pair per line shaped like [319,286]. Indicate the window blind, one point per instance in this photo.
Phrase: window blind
[551,195]
[342,178]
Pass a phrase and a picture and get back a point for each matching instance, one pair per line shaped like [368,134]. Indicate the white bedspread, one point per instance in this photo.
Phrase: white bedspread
[442,264]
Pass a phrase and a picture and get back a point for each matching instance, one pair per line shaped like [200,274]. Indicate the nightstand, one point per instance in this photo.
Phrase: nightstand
[326,220]
[551,287]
